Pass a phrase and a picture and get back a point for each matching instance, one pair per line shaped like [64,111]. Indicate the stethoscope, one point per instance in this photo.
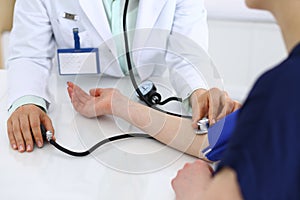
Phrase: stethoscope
[146,92]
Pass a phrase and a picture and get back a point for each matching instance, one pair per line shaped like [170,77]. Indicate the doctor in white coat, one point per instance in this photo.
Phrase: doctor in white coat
[42,26]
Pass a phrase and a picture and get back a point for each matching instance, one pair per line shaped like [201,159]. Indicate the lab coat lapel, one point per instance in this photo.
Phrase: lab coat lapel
[95,11]
[148,13]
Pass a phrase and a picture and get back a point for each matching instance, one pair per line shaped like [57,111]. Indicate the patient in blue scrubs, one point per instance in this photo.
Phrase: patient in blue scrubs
[262,159]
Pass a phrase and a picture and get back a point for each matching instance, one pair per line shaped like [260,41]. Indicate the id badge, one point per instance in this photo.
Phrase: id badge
[78,61]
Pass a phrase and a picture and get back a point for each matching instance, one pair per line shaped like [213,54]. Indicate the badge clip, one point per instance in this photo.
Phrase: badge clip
[70,16]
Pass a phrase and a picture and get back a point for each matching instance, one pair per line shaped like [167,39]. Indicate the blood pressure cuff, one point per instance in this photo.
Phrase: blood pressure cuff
[218,136]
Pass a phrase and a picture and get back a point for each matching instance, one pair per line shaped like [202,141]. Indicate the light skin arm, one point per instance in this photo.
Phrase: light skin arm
[173,131]
[195,181]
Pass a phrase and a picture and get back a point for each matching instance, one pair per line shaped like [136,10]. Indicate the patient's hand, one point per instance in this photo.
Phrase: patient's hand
[98,102]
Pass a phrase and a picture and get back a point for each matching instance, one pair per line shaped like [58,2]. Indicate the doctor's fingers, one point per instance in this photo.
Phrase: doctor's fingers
[11,137]
[217,103]
[15,134]
[26,132]
[230,106]
[222,106]
[36,120]
[237,105]
[199,103]
[200,110]
[46,121]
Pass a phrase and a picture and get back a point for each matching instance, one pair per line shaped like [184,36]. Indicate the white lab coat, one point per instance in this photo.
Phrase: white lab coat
[39,29]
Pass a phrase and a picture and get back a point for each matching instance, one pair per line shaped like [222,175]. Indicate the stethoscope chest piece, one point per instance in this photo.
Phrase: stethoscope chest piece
[203,126]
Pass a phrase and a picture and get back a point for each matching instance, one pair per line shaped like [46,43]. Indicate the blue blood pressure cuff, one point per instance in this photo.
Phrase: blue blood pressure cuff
[218,136]
[78,60]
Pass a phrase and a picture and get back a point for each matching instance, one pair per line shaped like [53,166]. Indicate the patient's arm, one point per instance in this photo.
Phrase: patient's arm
[173,131]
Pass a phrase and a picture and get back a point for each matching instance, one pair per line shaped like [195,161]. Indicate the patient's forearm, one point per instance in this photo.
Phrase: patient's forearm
[174,131]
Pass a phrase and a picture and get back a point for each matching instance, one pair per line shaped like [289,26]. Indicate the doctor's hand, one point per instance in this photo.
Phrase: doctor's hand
[98,102]
[23,127]
[213,104]
[191,182]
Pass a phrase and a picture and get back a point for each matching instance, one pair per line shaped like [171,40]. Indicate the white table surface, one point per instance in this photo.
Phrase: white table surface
[129,169]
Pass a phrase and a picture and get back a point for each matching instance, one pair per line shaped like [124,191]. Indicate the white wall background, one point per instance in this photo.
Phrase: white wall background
[242,51]
[235,10]
[243,44]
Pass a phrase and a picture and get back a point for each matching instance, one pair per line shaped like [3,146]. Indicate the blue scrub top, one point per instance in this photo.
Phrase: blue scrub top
[264,148]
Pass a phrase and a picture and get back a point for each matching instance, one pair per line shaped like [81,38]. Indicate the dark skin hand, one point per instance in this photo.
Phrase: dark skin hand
[23,127]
